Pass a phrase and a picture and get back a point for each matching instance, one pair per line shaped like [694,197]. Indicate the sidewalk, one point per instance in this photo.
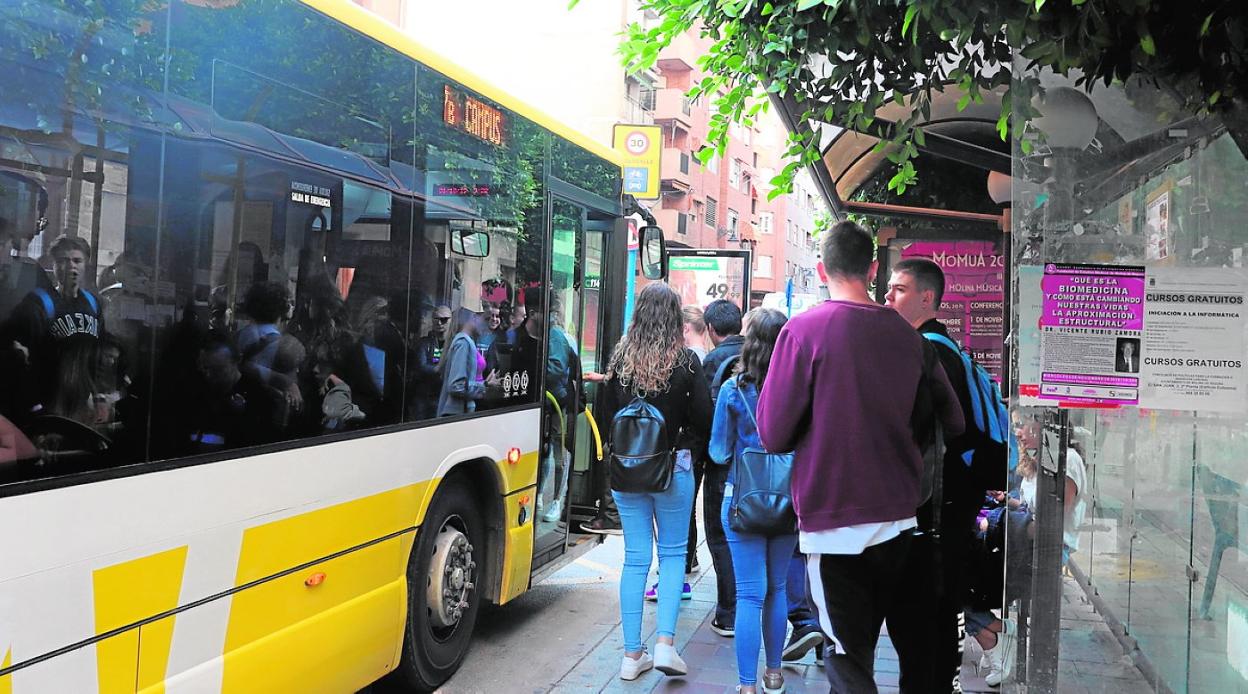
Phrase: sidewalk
[1091,658]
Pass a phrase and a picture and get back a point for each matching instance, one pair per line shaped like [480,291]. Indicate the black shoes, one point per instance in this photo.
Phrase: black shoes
[602,526]
[800,642]
[727,630]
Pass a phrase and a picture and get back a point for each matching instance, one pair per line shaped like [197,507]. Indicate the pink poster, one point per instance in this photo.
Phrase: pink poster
[1091,324]
[973,305]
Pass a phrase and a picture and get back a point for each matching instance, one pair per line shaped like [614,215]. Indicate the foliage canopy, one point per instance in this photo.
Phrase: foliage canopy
[840,61]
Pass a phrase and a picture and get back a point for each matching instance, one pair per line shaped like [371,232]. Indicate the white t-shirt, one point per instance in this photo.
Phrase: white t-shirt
[1076,472]
[852,539]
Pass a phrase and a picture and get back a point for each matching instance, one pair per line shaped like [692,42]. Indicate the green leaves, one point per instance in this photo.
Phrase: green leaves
[871,54]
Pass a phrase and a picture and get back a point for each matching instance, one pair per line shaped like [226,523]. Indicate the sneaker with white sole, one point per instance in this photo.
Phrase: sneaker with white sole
[1001,659]
[727,630]
[555,512]
[668,661]
[801,641]
[632,668]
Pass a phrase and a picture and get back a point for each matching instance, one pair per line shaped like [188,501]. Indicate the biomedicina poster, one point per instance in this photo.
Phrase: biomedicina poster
[1090,330]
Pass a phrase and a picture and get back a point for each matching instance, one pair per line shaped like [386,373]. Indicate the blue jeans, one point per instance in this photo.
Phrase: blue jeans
[800,614]
[640,515]
[761,567]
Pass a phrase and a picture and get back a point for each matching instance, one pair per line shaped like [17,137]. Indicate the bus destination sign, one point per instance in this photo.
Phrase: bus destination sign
[473,116]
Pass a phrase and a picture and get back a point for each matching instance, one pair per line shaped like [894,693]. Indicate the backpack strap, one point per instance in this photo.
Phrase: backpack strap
[746,401]
[977,407]
[45,299]
[257,347]
[95,303]
[719,379]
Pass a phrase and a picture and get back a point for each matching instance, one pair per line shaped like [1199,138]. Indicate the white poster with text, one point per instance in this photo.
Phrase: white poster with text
[1193,351]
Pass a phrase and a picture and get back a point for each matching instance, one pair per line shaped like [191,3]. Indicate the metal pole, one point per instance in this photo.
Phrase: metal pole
[1046,582]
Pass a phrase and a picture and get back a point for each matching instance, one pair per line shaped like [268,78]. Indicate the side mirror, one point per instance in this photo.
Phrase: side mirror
[653,253]
[470,243]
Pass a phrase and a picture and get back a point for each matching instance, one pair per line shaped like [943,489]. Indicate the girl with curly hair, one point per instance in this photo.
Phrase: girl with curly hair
[652,362]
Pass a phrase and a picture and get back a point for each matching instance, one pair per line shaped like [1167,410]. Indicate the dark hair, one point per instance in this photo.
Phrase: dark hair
[70,243]
[266,302]
[724,317]
[759,343]
[927,275]
[847,250]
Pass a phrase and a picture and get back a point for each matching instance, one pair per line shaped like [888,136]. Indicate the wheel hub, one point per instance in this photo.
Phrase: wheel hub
[451,574]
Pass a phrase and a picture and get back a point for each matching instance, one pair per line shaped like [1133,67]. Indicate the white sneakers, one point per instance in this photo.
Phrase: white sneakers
[668,661]
[631,669]
[1001,656]
[554,512]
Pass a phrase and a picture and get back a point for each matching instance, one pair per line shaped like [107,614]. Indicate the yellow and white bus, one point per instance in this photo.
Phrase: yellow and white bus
[231,456]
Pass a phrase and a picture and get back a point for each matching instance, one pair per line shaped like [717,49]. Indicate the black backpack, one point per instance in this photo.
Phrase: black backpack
[723,373]
[641,459]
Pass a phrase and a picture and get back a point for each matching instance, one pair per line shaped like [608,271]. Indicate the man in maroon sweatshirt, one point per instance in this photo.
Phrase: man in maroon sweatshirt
[840,393]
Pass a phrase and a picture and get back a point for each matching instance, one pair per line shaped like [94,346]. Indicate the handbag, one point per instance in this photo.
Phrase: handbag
[762,498]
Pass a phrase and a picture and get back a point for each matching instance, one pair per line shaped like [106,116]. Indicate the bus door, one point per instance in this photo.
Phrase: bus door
[571,443]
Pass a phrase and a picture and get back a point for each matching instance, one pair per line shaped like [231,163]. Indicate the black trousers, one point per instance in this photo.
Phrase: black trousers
[851,595]
[713,480]
[926,623]
[691,551]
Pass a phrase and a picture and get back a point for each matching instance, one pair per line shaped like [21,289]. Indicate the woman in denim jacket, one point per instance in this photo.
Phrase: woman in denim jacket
[761,563]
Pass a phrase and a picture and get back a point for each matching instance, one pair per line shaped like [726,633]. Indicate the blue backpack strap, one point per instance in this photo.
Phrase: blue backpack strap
[95,303]
[977,408]
[49,308]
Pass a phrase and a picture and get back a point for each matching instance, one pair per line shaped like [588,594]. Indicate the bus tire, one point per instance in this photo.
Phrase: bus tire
[451,542]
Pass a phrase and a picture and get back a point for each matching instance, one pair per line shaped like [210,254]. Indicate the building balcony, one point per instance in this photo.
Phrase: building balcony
[681,54]
[674,170]
[672,105]
[638,112]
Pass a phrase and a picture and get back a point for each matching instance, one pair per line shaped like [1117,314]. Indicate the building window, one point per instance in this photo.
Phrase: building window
[712,164]
[762,266]
[765,221]
[712,212]
[734,173]
[733,219]
[788,230]
[682,222]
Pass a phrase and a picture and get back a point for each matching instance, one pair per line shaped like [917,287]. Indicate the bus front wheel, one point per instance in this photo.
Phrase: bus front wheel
[443,590]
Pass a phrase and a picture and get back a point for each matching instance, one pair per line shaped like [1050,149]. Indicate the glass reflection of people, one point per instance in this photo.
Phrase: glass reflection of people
[383,349]
[271,359]
[55,334]
[464,381]
[19,276]
[429,353]
[493,327]
[1128,360]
